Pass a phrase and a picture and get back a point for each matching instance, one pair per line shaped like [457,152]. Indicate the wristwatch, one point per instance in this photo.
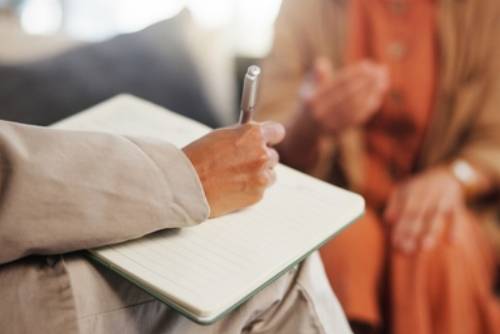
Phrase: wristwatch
[465,174]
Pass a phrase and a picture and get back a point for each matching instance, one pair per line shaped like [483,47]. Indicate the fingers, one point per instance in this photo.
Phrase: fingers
[351,97]
[394,206]
[436,227]
[347,107]
[459,219]
[236,165]
[272,132]
[413,213]
[382,86]
[255,140]
[410,223]
[265,158]
[261,181]
[323,71]
[383,79]
[273,158]
[365,71]
[394,213]
[425,209]
[422,225]
[348,82]
[344,92]
[270,176]
[408,230]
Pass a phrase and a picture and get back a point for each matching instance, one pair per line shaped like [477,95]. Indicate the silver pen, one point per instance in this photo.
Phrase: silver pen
[249,95]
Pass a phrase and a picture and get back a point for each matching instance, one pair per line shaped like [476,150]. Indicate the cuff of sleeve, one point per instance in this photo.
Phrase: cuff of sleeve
[487,159]
[183,182]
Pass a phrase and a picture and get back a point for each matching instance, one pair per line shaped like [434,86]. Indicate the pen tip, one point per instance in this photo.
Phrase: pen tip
[253,71]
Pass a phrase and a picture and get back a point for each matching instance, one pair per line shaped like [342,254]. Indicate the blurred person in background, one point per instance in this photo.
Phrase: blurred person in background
[400,101]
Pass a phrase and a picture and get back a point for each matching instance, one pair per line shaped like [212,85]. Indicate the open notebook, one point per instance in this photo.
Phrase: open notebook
[208,270]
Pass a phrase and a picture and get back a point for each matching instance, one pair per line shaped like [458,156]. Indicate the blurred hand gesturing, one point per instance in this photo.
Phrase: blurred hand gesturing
[347,99]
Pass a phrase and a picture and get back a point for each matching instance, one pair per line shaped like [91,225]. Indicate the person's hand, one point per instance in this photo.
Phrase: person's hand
[424,208]
[347,99]
[235,165]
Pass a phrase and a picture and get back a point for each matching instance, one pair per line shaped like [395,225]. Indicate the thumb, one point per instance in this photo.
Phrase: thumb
[383,78]
[272,132]
[323,71]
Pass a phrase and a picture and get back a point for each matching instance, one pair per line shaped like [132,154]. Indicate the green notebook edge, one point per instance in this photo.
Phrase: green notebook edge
[209,321]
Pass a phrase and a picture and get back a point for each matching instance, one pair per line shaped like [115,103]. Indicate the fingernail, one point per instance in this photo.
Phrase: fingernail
[273,127]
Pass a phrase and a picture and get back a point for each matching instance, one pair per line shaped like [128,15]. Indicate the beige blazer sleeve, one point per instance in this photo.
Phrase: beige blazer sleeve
[63,191]
[286,65]
[467,120]
[482,94]
[304,31]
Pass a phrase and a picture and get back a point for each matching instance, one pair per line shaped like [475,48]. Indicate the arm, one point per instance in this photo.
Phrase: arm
[476,166]
[283,72]
[481,149]
[425,206]
[302,88]
[65,190]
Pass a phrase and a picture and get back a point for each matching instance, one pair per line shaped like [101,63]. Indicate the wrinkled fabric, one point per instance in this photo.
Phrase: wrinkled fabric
[301,301]
[63,191]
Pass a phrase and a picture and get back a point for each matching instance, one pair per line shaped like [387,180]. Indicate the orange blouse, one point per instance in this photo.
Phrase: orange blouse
[401,34]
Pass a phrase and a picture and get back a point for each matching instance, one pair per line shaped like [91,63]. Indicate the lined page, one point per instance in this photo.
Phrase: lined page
[208,268]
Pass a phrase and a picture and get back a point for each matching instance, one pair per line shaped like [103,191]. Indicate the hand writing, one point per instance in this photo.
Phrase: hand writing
[236,165]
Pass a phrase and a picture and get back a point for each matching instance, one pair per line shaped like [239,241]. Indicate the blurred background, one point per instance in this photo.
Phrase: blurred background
[58,57]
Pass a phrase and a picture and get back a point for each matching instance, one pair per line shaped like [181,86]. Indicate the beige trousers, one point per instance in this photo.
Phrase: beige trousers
[301,301]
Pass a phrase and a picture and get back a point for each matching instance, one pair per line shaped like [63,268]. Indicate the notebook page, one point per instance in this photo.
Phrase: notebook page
[208,268]
[129,115]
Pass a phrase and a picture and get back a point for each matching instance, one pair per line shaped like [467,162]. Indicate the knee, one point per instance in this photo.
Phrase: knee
[359,248]
[441,263]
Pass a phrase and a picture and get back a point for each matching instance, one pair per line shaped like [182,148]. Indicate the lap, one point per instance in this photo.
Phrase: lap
[299,300]
[366,246]
[361,261]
